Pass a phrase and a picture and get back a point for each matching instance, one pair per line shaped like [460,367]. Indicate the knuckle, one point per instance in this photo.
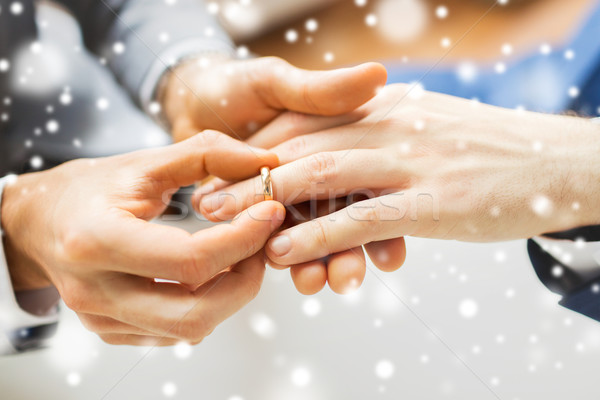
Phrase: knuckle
[368,216]
[77,245]
[296,146]
[253,286]
[209,137]
[320,234]
[194,268]
[321,168]
[77,297]
[193,328]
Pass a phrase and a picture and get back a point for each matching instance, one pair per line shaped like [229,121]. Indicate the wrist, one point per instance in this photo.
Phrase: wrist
[176,91]
[25,272]
[580,193]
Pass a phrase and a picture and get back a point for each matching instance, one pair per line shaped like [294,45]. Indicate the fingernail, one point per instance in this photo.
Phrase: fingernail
[212,203]
[280,245]
[205,188]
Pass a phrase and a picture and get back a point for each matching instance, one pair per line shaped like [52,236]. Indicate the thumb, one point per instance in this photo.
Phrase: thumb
[283,86]
[207,153]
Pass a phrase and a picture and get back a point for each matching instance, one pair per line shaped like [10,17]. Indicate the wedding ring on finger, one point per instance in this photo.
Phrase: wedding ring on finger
[267,185]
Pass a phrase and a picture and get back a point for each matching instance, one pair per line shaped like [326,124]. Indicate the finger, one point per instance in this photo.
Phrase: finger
[310,277]
[101,324]
[334,92]
[137,340]
[387,255]
[319,176]
[381,218]
[346,270]
[291,124]
[207,153]
[169,309]
[165,252]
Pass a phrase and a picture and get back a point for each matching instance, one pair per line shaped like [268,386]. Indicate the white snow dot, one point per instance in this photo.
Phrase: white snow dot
[73,378]
[507,49]
[424,358]
[163,37]
[65,98]
[476,349]
[557,271]
[4,65]
[212,7]
[500,256]
[328,57]
[36,162]
[311,25]
[360,3]
[102,103]
[263,325]
[77,143]
[16,8]
[510,293]
[154,107]
[542,206]
[573,92]
[419,125]
[503,2]
[52,126]
[236,398]
[569,54]
[468,308]
[500,339]
[291,35]
[300,376]
[371,20]
[545,49]
[445,42]
[576,206]
[35,47]
[118,48]
[169,389]
[467,72]
[495,381]
[500,68]
[183,350]
[311,307]
[384,369]
[441,12]
[242,52]
[595,288]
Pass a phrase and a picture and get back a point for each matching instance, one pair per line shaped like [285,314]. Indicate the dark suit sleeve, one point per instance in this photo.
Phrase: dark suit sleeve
[140,38]
[580,293]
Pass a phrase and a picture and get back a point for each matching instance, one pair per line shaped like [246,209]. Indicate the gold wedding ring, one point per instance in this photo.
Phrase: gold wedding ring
[265,177]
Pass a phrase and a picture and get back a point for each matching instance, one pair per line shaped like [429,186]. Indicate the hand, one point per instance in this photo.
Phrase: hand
[83,227]
[240,96]
[432,166]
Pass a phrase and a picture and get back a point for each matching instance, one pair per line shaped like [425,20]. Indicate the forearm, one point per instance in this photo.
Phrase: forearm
[579,191]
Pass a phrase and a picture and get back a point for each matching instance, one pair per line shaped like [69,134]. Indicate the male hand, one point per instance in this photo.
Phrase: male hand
[83,227]
[238,97]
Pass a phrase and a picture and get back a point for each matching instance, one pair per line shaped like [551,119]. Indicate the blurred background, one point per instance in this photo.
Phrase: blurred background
[458,321]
